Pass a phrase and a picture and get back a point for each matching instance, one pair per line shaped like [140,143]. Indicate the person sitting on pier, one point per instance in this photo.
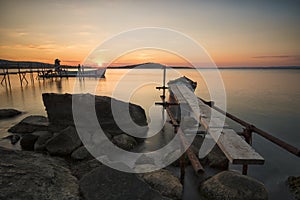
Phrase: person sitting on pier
[57,65]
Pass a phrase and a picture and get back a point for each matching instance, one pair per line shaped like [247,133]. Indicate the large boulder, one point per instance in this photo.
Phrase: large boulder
[64,143]
[7,113]
[108,184]
[229,185]
[294,185]
[59,108]
[28,175]
[164,182]
[30,124]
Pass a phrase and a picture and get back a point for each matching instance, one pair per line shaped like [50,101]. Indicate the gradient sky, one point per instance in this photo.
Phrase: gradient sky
[234,33]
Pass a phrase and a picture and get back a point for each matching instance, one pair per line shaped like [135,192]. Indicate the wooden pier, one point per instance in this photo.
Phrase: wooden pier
[42,71]
[237,147]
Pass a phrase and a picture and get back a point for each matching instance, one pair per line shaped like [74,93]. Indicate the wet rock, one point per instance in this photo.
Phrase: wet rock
[108,184]
[64,142]
[8,113]
[294,185]
[43,137]
[13,139]
[124,141]
[81,153]
[28,175]
[164,182]
[60,112]
[217,159]
[27,142]
[230,185]
[30,124]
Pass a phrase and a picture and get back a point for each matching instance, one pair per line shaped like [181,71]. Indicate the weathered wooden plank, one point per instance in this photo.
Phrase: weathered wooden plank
[234,147]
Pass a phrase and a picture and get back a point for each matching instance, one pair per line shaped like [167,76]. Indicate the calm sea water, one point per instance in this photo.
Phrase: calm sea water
[269,99]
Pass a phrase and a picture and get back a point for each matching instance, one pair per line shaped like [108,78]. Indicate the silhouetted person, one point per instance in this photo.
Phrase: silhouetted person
[57,65]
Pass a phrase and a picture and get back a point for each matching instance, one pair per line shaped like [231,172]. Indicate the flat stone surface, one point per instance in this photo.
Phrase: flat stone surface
[28,175]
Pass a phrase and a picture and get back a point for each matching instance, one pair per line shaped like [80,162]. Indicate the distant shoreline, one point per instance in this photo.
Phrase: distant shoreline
[25,64]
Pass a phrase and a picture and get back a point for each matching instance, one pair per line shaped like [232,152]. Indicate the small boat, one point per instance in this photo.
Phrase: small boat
[98,73]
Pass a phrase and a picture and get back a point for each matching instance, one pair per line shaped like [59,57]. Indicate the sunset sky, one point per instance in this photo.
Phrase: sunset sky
[234,33]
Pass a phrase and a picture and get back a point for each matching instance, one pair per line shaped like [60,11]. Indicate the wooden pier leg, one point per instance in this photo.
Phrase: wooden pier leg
[8,78]
[20,77]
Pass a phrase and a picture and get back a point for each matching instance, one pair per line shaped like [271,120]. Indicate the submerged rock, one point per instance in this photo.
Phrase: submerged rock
[164,182]
[30,124]
[28,175]
[64,142]
[229,185]
[8,113]
[108,184]
[294,185]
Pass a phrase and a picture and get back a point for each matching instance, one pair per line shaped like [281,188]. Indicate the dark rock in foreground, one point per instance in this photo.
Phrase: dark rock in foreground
[228,185]
[30,124]
[8,113]
[108,184]
[294,185]
[27,175]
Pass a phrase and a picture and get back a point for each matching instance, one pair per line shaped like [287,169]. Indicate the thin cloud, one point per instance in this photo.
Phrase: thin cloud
[280,56]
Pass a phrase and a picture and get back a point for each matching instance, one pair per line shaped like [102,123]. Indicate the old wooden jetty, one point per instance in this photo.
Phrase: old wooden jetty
[37,70]
[237,147]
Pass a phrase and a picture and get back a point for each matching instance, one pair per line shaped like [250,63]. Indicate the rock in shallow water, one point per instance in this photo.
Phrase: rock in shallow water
[229,185]
[94,110]
[27,175]
[30,124]
[8,113]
